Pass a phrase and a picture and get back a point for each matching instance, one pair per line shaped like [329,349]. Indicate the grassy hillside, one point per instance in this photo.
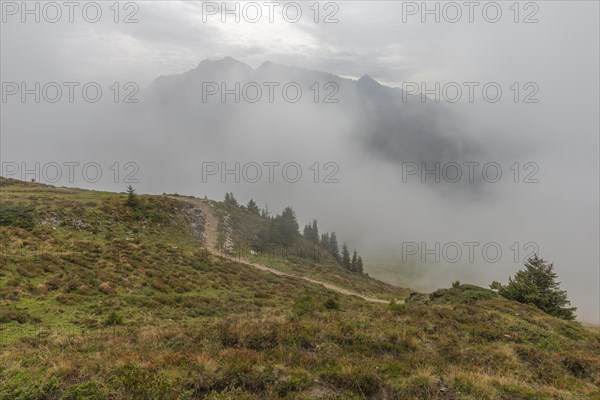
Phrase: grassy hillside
[101,301]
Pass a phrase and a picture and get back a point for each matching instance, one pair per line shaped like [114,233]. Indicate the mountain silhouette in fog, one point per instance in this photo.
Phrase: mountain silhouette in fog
[392,126]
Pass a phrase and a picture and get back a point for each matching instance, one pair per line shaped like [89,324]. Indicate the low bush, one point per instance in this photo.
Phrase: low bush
[17,215]
[114,318]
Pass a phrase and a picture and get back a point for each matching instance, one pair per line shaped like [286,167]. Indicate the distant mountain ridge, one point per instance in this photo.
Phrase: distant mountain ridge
[394,128]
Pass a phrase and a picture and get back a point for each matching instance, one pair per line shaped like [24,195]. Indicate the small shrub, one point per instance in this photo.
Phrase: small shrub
[332,304]
[580,366]
[17,215]
[305,305]
[13,315]
[466,294]
[417,298]
[397,308]
[294,383]
[21,386]
[114,318]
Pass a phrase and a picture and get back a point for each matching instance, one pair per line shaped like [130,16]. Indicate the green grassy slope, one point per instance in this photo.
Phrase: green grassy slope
[98,301]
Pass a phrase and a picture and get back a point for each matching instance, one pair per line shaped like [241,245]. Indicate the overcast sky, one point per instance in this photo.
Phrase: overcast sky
[370,37]
[389,42]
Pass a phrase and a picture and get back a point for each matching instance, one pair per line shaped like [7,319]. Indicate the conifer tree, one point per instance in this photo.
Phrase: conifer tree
[345,257]
[307,233]
[265,211]
[132,198]
[333,247]
[354,262]
[537,285]
[359,265]
[325,241]
[230,199]
[288,225]
[314,232]
[252,208]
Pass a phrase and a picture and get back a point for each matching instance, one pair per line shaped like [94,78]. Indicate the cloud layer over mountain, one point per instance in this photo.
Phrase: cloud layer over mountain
[361,141]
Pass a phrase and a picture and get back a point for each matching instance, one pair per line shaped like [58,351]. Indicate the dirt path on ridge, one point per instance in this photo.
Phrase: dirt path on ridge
[210,235]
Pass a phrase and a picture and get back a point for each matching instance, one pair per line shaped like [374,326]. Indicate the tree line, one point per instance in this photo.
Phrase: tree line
[328,242]
[283,229]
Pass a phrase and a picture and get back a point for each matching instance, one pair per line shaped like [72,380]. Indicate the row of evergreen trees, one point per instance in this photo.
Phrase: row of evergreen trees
[329,243]
[251,207]
[283,229]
